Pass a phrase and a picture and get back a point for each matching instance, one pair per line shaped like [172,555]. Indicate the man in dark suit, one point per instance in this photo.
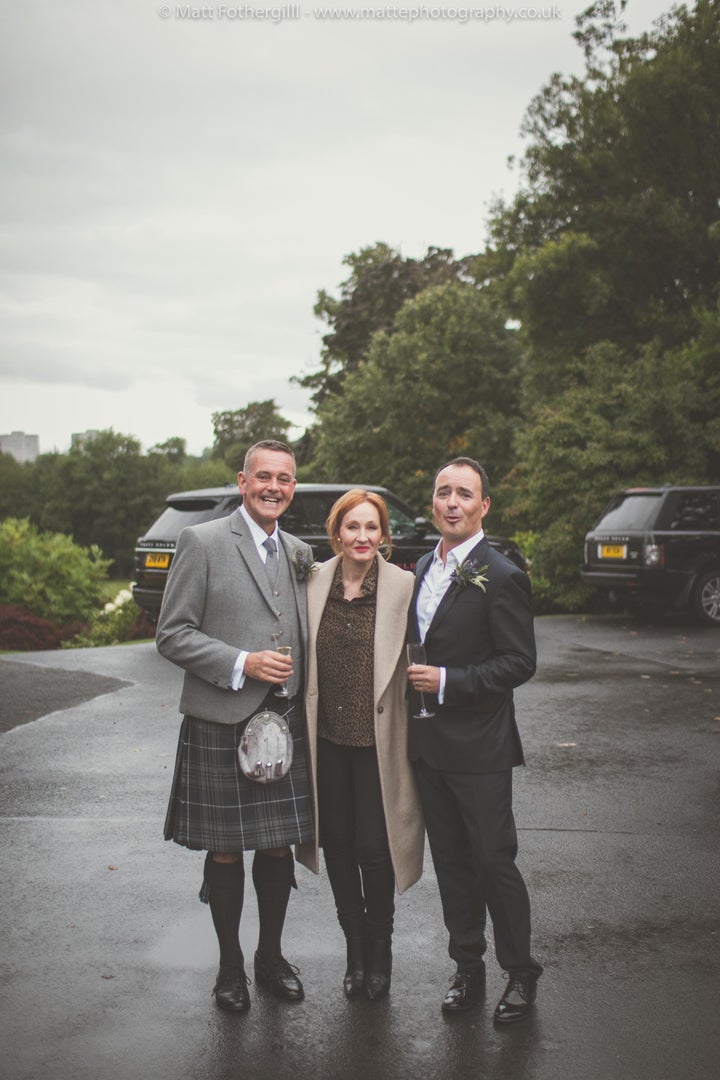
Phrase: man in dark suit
[234,594]
[472,608]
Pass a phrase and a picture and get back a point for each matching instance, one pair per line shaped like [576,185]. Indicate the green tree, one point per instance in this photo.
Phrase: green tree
[196,472]
[16,481]
[380,282]
[103,492]
[305,450]
[615,232]
[236,430]
[443,383]
[608,259]
[637,419]
[174,449]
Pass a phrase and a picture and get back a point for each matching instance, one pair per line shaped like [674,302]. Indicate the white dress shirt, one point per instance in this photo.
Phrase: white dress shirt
[434,586]
[259,536]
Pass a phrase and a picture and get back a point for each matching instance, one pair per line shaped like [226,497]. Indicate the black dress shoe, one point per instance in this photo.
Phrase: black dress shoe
[276,974]
[231,989]
[467,987]
[517,1001]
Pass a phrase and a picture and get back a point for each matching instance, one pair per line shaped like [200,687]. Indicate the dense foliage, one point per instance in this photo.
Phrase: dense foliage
[105,492]
[609,259]
[443,382]
[607,263]
[22,631]
[380,282]
[49,574]
[236,430]
[117,621]
[579,353]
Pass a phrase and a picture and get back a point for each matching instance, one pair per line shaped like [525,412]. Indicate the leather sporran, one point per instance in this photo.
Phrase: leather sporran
[265,751]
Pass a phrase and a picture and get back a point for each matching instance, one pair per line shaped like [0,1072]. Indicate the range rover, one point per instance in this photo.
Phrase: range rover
[655,549]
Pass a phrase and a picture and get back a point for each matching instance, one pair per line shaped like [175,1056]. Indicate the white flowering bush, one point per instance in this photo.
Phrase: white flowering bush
[119,620]
[122,598]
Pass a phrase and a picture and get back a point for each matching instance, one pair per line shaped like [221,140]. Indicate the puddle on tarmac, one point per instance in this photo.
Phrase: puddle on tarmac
[192,942]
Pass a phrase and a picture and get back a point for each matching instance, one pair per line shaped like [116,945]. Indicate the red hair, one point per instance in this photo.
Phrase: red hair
[349,501]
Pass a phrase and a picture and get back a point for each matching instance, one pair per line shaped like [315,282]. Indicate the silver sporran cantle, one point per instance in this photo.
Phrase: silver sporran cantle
[265,752]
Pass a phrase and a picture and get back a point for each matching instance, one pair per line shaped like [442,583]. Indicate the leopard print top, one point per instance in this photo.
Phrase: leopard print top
[345,656]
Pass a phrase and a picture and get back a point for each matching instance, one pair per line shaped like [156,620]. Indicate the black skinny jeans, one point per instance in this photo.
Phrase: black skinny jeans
[354,839]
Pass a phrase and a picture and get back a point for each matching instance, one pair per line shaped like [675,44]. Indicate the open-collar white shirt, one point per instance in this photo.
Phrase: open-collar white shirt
[435,584]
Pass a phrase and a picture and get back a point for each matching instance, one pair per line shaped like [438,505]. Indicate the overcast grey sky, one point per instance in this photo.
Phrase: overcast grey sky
[177,189]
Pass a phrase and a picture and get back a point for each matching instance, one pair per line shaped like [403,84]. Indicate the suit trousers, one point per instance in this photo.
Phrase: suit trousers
[473,842]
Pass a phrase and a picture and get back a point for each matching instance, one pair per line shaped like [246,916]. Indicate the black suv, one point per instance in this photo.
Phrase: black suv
[659,548]
[412,536]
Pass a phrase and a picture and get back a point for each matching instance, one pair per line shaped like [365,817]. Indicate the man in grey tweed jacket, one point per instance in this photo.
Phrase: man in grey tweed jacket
[235,590]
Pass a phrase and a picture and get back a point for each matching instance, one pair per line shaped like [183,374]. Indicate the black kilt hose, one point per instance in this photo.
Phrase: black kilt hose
[214,807]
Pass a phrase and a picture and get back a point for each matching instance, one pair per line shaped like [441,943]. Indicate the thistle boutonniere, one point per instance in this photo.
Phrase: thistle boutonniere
[469,573]
[305,565]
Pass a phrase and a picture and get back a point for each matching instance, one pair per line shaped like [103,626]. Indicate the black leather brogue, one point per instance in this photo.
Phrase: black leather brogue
[467,987]
[231,989]
[274,973]
[518,999]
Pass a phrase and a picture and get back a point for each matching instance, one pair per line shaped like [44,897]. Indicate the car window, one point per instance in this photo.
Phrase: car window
[177,516]
[308,512]
[401,523]
[693,510]
[629,512]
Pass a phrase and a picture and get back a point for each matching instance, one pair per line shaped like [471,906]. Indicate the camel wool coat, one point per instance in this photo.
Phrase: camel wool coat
[403,816]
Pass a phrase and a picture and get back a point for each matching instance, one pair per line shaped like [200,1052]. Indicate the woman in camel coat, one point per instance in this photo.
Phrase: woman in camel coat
[366,806]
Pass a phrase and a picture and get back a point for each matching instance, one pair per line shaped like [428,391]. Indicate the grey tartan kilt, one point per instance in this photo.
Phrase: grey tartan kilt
[214,807]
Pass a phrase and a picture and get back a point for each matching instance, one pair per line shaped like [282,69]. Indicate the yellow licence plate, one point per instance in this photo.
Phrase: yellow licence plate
[157,562]
[613,551]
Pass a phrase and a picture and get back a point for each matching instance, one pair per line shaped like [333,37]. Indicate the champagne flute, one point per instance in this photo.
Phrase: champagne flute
[416,655]
[284,650]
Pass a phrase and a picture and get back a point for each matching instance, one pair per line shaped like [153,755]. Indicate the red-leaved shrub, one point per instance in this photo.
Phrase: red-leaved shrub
[22,631]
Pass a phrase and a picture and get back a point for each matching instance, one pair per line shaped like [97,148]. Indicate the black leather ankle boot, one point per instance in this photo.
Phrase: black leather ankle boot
[355,975]
[378,968]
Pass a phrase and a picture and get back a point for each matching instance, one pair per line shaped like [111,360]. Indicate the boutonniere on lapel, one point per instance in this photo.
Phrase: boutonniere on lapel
[469,573]
[305,565]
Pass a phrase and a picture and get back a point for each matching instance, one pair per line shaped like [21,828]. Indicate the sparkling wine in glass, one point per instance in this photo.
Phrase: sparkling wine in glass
[416,655]
[284,650]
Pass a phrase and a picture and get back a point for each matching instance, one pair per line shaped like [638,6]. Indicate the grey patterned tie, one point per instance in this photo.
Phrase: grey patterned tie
[272,565]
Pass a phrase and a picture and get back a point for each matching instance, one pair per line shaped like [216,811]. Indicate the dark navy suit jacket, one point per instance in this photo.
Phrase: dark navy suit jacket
[486,641]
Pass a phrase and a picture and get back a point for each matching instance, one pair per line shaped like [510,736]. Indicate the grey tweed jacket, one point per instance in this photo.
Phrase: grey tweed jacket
[217,602]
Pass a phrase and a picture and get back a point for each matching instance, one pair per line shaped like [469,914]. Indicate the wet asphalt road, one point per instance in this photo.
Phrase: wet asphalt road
[108,958]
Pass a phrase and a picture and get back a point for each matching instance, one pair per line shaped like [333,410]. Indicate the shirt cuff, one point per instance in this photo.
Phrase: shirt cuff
[237,679]
[441,690]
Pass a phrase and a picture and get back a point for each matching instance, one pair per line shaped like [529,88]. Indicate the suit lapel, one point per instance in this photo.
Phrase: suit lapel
[249,554]
[446,603]
[421,570]
[453,590]
[299,591]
